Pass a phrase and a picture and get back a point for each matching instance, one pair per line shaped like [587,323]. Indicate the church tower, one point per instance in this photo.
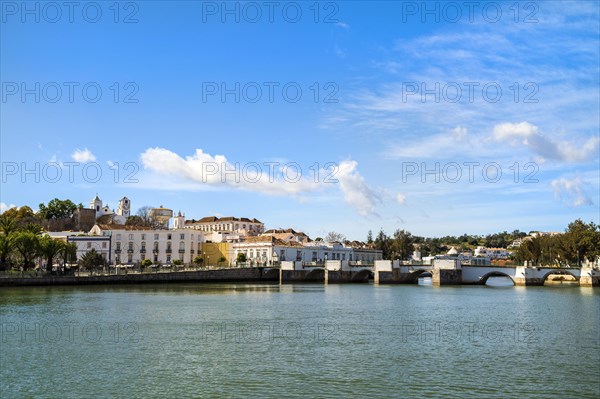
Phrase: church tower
[96,204]
[179,222]
[124,208]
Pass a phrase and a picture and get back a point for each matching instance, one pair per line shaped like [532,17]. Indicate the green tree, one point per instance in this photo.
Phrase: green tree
[6,248]
[27,244]
[57,209]
[177,262]
[382,243]
[8,222]
[198,260]
[370,237]
[241,257]
[49,249]
[401,246]
[580,242]
[146,263]
[221,260]
[92,260]
[68,253]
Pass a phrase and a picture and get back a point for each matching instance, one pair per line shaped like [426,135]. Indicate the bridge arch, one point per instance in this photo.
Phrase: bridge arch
[362,275]
[270,274]
[315,275]
[415,275]
[495,273]
[560,272]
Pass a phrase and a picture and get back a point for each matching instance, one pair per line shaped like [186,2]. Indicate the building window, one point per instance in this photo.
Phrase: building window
[118,246]
[156,245]
[143,236]
[156,236]
[143,256]
[89,244]
[168,258]
[181,236]
[104,244]
[168,236]
[131,236]
[130,246]
[129,258]
[119,236]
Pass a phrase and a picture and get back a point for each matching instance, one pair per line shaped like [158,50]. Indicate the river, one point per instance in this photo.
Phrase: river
[305,340]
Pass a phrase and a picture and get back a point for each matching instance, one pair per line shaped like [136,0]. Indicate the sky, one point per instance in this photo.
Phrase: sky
[440,118]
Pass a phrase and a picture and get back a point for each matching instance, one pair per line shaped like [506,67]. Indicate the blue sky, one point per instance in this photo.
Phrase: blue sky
[411,112]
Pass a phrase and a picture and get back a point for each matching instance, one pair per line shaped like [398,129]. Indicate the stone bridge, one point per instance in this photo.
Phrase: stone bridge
[443,272]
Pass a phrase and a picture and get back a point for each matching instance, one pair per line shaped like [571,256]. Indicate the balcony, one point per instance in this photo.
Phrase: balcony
[118,251]
[143,250]
[182,251]
[169,250]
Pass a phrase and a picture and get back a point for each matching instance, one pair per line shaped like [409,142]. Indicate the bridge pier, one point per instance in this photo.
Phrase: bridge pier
[586,278]
[446,277]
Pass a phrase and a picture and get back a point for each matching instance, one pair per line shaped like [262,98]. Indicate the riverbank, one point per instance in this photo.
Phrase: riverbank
[256,274]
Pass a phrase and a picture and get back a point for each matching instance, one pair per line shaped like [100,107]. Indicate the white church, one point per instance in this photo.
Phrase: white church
[104,211]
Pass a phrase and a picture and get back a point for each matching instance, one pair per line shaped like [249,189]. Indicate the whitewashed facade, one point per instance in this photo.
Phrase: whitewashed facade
[131,245]
[267,250]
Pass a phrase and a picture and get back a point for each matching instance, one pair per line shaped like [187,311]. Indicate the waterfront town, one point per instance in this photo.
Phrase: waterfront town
[96,236]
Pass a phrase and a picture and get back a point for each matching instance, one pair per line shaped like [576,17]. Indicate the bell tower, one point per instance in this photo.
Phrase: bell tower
[124,208]
[96,204]
[179,222]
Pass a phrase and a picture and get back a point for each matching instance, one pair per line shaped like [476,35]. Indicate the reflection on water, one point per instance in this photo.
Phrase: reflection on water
[499,281]
[425,281]
[299,340]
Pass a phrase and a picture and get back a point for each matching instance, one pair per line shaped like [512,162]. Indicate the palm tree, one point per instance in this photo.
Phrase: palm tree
[49,249]
[92,260]
[27,245]
[5,250]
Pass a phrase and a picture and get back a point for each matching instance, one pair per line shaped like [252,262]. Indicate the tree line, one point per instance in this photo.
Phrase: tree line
[22,242]
[579,242]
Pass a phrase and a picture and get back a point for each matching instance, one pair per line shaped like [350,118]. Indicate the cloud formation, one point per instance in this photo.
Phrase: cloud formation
[84,155]
[271,178]
[571,191]
[528,135]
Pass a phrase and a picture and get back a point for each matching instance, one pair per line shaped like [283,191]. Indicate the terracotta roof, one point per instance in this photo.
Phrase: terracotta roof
[121,227]
[212,219]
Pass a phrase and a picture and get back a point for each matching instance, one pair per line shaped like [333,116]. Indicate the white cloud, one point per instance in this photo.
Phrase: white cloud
[342,25]
[528,135]
[84,155]
[401,198]
[355,190]
[205,170]
[571,191]
[4,207]
[445,144]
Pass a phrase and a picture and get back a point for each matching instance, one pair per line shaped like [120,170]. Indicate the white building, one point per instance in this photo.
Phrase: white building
[492,253]
[132,244]
[229,224]
[86,243]
[266,249]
